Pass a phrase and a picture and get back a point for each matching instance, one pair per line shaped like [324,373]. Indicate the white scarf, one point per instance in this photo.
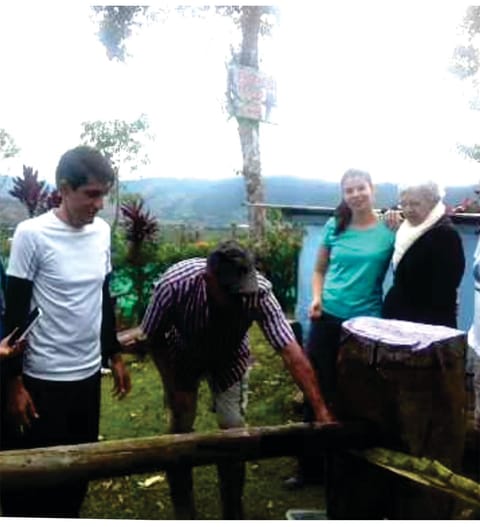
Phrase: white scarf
[407,234]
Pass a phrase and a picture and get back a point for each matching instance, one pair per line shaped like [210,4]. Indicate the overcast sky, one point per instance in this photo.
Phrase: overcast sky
[359,84]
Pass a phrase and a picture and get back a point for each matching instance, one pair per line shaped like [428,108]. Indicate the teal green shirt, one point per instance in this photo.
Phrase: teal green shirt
[359,259]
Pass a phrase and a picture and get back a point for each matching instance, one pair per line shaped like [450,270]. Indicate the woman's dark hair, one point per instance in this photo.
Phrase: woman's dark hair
[343,213]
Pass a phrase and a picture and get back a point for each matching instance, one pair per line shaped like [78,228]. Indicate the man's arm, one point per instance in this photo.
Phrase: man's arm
[150,333]
[20,405]
[111,348]
[278,332]
[303,374]
[18,298]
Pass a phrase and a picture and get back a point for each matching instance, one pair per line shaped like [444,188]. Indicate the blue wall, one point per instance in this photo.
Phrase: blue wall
[311,241]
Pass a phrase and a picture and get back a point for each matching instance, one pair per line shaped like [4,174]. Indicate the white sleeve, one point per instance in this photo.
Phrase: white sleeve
[24,253]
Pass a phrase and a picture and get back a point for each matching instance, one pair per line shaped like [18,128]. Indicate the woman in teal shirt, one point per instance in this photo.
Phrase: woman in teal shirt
[347,281]
[352,261]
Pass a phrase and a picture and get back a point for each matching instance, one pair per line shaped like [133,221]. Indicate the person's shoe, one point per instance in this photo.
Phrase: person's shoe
[294,482]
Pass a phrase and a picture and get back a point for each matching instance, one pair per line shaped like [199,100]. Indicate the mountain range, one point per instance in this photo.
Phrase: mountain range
[220,203]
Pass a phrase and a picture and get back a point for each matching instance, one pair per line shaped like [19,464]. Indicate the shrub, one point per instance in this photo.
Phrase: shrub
[131,304]
[277,258]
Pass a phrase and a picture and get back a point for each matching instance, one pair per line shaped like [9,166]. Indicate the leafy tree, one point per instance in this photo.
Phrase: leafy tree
[115,26]
[466,64]
[472,151]
[8,148]
[122,143]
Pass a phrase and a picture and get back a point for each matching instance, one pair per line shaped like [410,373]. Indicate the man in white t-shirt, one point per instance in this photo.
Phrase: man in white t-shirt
[474,336]
[60,262]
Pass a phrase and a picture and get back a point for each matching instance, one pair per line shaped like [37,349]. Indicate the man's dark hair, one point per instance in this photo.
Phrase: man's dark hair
[79,164]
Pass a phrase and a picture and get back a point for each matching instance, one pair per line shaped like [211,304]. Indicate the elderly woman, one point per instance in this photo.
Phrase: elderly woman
[428,260]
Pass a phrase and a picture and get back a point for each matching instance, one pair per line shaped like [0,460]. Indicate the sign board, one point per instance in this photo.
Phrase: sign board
[252,93]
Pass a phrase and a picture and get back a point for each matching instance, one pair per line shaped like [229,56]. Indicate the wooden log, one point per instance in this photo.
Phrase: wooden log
[408,379]
[44,466]
[428,472]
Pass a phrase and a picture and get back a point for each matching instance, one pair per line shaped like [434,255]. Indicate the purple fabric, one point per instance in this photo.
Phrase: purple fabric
[399,333]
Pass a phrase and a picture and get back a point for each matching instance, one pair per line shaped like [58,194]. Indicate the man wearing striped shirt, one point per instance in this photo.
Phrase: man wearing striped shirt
[196,325]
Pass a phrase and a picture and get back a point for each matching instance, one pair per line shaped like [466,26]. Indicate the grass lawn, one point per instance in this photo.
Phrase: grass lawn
[142,413]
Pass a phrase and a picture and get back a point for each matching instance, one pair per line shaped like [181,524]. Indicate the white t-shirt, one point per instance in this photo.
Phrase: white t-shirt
[67,266]
[474,332]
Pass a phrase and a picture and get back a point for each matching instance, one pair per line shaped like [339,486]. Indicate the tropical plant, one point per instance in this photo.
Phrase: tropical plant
[140,226]
[35,194]
[140,231]
[52,201]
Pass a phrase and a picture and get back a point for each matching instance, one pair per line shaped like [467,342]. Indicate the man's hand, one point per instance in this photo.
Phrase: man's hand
[20,406]
[393,219]
[10,351]
[121,377]
[324,415]
[130,337]
[303,374]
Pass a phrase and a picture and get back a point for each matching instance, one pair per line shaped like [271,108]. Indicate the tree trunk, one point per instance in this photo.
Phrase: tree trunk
[249,129]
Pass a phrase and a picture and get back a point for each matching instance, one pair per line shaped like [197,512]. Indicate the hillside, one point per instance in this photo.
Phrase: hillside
[219,203]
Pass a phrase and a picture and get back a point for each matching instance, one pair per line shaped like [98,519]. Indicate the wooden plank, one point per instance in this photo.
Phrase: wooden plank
[42,466]
[422,470]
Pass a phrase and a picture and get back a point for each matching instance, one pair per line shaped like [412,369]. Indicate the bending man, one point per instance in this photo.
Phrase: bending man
[197,324]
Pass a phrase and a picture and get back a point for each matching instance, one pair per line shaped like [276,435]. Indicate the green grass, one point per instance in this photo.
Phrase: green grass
[142,413]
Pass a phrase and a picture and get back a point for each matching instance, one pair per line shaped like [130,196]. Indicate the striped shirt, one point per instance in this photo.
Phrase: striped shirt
[202,340]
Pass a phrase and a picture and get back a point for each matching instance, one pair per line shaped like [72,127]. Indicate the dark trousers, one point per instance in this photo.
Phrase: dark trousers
[68,414]
[182,405]
[322,349]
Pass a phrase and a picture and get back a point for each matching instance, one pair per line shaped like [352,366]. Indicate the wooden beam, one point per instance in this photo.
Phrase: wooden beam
[43,466]
[425,471]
